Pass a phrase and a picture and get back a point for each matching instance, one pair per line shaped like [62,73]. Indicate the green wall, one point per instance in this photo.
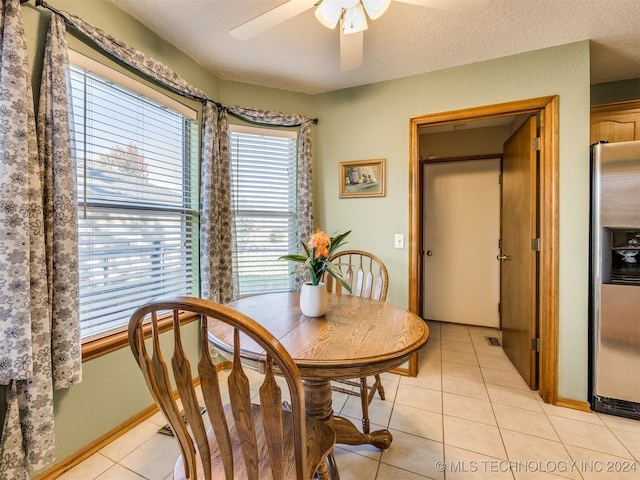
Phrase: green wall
[359,123]
[613,92]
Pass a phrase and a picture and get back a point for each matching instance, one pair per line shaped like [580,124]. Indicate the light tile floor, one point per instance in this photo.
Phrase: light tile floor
[467,415]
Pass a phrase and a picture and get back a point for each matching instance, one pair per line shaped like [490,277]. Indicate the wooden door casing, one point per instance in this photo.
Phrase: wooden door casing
[548,109]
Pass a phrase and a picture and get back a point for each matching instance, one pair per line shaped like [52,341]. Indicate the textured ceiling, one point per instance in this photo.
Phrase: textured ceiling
[303,56]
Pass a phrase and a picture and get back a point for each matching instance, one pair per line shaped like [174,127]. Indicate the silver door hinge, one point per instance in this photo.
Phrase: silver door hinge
[535,244]
[535,344]
[500,179]
[535,144]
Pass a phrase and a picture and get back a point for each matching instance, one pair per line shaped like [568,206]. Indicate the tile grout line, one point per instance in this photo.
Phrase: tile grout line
[484,381]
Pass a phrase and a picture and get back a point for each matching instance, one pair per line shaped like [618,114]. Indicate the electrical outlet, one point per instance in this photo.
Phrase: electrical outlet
[398,241]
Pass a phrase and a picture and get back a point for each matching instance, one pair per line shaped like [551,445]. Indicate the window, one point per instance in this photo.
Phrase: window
[137,196]
[263,164]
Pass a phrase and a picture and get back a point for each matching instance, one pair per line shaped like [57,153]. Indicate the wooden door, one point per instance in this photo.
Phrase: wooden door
[461,233]
[518,273]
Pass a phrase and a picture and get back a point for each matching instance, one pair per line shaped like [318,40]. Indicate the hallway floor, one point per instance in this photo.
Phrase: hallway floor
[467,415]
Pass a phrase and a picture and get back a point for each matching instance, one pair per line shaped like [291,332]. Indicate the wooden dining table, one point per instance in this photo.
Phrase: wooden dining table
[356,337]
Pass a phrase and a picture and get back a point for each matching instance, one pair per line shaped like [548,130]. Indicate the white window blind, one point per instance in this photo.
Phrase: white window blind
[137,200]
[264,201]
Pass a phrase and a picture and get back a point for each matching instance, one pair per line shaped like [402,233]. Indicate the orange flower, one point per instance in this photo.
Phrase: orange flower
[318,264]
[320,241]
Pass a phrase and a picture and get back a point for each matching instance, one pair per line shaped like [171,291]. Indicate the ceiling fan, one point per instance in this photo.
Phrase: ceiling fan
[350,14]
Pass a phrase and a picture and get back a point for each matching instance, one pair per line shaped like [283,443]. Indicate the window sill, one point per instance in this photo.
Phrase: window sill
[102,346]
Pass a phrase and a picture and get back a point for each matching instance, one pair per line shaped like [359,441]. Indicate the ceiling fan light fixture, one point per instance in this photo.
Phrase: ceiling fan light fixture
[354,20]
[328,13]
[375,8]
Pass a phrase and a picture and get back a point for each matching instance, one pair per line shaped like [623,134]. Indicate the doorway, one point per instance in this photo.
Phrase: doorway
[547,285]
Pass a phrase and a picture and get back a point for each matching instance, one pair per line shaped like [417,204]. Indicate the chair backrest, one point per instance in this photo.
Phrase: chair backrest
[363,271]
[195,443]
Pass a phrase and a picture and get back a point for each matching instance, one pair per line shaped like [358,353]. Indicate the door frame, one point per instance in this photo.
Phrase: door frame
[547,108]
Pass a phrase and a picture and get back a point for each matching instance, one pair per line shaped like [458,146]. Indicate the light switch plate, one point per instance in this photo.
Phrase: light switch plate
[398,241]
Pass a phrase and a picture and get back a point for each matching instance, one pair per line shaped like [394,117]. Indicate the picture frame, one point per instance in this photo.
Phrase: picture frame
[362,178]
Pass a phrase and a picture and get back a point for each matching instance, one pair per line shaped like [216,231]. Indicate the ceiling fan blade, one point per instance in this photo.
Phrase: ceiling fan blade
[271,18]
[468,7]
[351,47]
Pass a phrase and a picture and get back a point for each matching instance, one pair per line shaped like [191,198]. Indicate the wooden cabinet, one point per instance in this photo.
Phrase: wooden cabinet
[615,122]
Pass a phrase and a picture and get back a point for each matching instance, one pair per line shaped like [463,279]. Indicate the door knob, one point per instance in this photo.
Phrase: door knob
[502,258]
[429,253]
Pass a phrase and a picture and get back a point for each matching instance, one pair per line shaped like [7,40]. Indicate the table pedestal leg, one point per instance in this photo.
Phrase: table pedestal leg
[317,394]
[348,433]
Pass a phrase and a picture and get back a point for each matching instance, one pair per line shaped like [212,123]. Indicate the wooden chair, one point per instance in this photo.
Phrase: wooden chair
[368,277]
[245,440]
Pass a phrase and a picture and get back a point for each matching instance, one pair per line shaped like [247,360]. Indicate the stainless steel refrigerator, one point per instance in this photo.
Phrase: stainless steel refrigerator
[615,279]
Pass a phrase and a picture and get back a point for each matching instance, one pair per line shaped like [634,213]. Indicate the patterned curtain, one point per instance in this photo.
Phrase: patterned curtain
[39,323]
[217,234]
[58,167]
[305,225]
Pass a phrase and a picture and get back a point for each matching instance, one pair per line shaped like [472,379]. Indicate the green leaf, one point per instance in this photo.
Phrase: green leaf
[336,242]
[301,268]
[335,272]
[294,257]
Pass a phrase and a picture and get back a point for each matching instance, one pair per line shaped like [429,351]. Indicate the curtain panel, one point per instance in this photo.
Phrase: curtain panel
[39,313]
[217,282]
[58,167]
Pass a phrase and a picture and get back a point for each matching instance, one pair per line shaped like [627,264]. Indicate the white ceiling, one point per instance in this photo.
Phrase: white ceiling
[301,55]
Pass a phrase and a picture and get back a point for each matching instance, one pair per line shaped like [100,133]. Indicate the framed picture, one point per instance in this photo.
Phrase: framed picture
[362,178]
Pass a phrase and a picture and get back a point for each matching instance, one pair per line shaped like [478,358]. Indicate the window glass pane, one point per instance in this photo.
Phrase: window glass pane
[137,185]
[264,199]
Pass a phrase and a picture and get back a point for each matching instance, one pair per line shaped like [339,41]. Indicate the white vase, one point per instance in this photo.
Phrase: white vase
[314,299]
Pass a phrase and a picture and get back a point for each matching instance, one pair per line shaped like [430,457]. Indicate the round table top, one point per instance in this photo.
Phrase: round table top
[356,337]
